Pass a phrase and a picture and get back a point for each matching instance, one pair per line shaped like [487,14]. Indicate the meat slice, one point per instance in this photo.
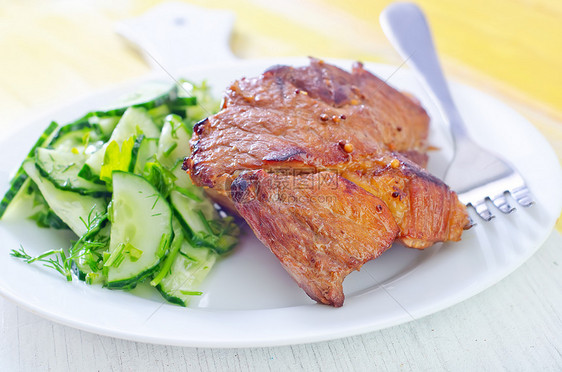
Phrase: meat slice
[320,226]
[321,120]
[305,116]
[424,208]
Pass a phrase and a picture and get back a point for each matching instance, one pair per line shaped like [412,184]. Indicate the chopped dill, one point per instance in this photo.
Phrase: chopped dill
[57,259]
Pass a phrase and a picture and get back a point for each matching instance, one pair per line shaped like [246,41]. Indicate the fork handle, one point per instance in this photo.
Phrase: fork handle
[405,25]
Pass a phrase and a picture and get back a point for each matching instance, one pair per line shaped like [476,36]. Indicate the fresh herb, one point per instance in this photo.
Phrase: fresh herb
[163,246]
[116,159]
[115,256]
[166,266]
[58,259]
[191,293]
[160,177]
[57,263]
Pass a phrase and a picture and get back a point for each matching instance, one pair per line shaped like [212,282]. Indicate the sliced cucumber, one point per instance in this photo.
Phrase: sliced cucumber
[135,121]
[159,113]
[173,145]
[149,96]
[70,173]
[135,153]
[206,103]
[89,262]
[190,267]
[147,152]
[181,104]
[190,216]
[196,195]
[191,205]
[61,168]
[44,139]
[175,246]
[71,207]
[77,136]
[104,125]
[198,216]
[29,203]
[219,234]
[15,190]
[141,230]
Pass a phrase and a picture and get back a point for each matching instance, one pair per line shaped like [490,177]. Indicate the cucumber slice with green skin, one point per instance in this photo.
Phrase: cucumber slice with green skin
[61,168]
[181,104]
[135,153]
[196,195]
[175,246]
[147,153]
[159,113]
[199,217]
[44,139]
[185,101]
[219,234]
[148,96]
[89,264]
[173,145]
[134,122]
[20,176]
[189,268]
[29,203]
[104,125]
[206,103]
[141,230]
[15,191]
[183,270]
[79,134]
[191,217]
[190,203]
[72,208]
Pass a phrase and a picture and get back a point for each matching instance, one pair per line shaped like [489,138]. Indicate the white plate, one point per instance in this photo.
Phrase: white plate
[249,300]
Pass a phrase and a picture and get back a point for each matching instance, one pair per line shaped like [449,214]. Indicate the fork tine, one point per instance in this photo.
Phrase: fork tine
[500,201]
[523,196]
[483,211]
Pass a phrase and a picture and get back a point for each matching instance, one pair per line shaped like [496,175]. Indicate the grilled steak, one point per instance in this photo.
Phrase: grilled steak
[320,231]
[304,117]
[297,125]
[423,206]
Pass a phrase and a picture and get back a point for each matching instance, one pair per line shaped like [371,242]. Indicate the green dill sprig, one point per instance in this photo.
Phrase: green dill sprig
[57,259]
[57,262]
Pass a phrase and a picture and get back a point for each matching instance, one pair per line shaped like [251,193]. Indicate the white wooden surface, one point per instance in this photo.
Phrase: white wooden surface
[516,325]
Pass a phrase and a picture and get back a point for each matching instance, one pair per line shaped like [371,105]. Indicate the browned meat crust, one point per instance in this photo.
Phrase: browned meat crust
[303,117]
[320,233]
[319,119]
[423,206]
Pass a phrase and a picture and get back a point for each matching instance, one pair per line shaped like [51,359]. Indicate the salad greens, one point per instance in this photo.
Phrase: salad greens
[114,177]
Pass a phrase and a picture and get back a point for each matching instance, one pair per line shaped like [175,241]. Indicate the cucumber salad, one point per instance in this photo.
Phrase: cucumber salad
[114,178]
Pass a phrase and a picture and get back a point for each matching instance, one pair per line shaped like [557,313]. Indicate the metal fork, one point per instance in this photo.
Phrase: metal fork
[477,175]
